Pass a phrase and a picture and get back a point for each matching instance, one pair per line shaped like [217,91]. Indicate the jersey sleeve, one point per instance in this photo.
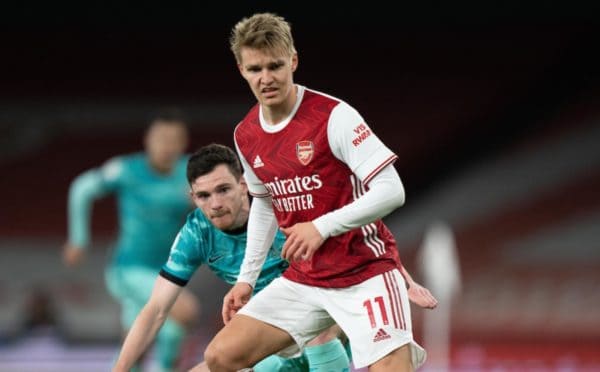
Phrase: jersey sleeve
[87,187]
[262,228]
[187,252]
[255,187]
[353,142]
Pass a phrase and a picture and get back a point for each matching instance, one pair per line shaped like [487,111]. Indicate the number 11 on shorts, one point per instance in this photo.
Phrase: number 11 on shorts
[369,305]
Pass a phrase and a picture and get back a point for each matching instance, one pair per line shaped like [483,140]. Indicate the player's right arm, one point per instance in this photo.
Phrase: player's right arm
[85,188]
[185,257]
[378,189]
[148,323]
[262,227]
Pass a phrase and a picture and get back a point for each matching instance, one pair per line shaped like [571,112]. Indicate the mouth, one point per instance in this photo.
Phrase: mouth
[269,92]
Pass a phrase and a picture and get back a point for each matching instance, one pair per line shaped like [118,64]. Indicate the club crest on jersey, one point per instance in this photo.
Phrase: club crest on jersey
[305,151]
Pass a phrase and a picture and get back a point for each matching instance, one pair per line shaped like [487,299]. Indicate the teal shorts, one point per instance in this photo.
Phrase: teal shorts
[131,286]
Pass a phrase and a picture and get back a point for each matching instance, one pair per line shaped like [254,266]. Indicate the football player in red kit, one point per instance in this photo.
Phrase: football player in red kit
[320,174]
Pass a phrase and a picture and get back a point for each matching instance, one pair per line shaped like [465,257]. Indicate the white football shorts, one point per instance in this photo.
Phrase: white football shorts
[374,314]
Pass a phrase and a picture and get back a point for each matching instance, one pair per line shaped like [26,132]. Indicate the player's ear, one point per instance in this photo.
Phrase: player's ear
[294,62]
[243,182]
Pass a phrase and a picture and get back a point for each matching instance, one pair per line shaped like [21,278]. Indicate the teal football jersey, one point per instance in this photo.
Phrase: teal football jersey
[199,242]
[151,207]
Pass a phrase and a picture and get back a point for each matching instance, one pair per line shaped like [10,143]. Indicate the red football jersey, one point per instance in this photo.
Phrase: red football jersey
[317,161]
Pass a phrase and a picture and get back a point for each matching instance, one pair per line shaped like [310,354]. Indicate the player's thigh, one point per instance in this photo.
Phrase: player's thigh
[327,335]
[375,315]
[248,340]
[398,360]
[292,307]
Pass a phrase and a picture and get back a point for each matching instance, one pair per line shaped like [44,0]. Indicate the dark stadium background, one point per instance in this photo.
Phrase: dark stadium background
[493,110]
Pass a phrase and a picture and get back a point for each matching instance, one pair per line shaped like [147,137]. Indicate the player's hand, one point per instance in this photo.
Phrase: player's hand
[421,296]
[302,241]
[72,255]
[237,297]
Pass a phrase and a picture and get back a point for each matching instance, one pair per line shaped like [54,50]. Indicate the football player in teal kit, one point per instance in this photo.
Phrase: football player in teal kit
[215,235]
[153,200]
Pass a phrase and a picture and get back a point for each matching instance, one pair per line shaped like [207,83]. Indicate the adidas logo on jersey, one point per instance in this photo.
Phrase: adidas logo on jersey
[381,335]
[257,162]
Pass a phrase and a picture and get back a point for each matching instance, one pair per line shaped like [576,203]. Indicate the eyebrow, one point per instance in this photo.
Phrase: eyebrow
[219,186]
[276,63]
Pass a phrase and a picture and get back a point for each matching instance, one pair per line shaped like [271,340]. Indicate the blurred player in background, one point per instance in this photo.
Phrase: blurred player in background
[152,201]
[319,173]
[215,235]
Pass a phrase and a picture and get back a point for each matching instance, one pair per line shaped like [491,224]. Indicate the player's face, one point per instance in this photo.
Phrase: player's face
[165,143]
[270,76]
[222,198]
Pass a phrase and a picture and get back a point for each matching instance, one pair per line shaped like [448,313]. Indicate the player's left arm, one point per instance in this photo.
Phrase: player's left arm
[385,194]
[353,142]
[262,227]
[417,293]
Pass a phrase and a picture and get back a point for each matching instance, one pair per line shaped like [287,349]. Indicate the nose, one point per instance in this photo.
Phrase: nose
[266,76]
[215,202]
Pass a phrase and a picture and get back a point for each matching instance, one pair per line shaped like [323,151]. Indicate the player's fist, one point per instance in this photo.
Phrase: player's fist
[72,254]
[302,241]
[237,297]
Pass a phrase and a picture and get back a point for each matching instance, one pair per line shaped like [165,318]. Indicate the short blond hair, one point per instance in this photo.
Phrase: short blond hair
[264,31]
